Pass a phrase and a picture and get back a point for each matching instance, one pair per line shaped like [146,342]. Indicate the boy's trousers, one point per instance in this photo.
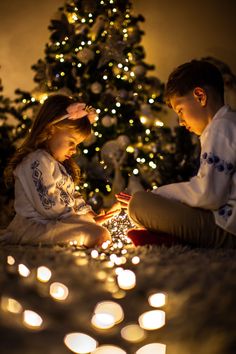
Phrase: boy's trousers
[192,226]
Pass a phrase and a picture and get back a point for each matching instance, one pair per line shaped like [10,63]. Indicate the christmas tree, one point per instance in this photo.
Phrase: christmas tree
[95,55]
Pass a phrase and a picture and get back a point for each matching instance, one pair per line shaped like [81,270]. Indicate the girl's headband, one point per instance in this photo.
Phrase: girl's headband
[77,111]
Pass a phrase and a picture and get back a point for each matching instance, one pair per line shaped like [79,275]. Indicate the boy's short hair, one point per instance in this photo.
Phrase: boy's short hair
[196,73]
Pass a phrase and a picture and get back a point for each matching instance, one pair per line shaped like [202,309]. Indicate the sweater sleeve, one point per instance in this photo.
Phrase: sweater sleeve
[210,188]
[42,186]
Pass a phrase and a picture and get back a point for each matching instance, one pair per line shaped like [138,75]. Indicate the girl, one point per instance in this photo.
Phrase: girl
[48,209]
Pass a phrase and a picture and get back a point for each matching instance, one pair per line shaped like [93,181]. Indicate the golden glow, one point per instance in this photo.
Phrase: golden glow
[133,333]
[103,321]
[110,308]
[43,274]
[159,123]
[152,319]
[135,260]
[59,291]
[126,279]
[23,270]
[152,348]
[157,300]
[11,305]
[32,319]
[143,119]
[130,149]
[109,349]
[80,343]
[10,260]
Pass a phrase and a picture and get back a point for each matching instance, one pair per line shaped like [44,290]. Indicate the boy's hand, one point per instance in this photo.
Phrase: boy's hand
[124,199]
[104,216]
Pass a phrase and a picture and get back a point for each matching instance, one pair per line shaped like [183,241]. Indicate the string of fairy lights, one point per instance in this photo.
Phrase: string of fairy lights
[114,266]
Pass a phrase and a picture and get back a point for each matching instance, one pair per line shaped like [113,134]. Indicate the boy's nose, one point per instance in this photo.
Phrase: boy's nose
[182,122]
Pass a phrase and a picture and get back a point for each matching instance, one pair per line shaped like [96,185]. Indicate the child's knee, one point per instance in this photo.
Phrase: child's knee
[135,205]
[97,237]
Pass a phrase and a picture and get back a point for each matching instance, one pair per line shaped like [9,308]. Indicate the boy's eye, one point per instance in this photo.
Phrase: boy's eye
[71,143]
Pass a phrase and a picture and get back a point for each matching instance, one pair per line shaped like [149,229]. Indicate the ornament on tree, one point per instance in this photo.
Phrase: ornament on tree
[108,121]
[96,87]
[123,141]
[90,140]
[96,201]
[113,154]
[85,55]
[134,34]
[139,70]
[134,185]
[89,5]
[112,50]
[97,27]
[123,94]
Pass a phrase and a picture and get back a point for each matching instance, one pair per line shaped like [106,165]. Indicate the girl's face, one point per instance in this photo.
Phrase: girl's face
[63,143]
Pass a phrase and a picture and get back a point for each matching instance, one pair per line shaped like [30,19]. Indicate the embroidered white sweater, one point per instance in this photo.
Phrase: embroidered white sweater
[214,186]
[44,190]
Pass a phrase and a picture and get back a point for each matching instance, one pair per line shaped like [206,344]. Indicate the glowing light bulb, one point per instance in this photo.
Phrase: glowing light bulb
[10,260]
[32,319]
[44,274]
[94,254]
[103,320]
[11,305]
[108,349]
[157,300]
[133,333]
[135,260]
[126,279]
[80,343]
[152,319]
[59,291]
[152,348]
[23,270]
[110,308]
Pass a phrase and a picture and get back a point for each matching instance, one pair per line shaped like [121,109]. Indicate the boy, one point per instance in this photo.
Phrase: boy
[201,212]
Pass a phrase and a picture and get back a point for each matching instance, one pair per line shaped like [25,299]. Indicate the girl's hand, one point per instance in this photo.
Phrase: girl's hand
[124,199]
[105,216]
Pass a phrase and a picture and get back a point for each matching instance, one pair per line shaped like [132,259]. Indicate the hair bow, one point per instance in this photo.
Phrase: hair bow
[78,111]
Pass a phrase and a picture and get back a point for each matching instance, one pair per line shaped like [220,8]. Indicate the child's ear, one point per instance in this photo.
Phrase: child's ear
[50,131]
[200,95]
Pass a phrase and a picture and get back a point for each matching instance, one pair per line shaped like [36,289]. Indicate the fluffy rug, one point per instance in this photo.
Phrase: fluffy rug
[199,287]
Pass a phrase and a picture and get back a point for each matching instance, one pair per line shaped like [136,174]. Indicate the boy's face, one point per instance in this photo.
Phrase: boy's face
[191,110]
[63,143]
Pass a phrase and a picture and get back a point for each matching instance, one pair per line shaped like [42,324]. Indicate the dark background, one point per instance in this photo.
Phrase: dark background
[175,32]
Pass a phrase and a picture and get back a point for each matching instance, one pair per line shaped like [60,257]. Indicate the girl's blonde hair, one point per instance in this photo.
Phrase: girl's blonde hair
[52,109]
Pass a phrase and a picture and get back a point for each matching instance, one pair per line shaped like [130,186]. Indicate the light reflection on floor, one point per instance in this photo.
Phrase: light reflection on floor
[112,300]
